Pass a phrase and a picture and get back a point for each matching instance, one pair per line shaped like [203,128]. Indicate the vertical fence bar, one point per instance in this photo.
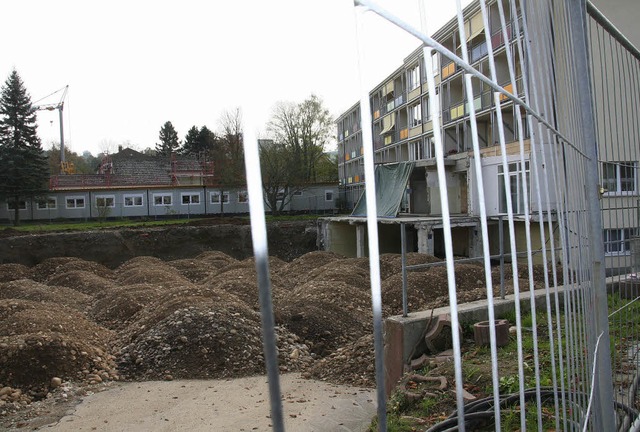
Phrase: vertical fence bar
[604,418]
[403,245]
[372,224]
[261,254]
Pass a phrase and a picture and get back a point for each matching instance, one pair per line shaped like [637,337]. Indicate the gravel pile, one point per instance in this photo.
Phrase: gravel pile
[78,321]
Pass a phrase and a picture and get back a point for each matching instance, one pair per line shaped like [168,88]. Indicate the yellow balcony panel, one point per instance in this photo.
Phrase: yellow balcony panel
[415,131]
[448,70]
[388,140]
[414,93]
[428,126]
[361,151]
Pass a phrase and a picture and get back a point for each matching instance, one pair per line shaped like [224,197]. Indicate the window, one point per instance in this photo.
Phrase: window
[75,202]
[414,77]
[415,115]
[297,193]
[188,198]
[162,199]
[104,201]
[427,109]
[328,195]
[133,200]
[214,197]
[435,63]
[280,195]
[22,205]
[619,177]
[49,203]
[419,150]
[617,241]
[243,197]
[514,177]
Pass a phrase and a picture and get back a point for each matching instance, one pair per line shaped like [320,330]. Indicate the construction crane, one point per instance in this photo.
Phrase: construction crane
[65,167]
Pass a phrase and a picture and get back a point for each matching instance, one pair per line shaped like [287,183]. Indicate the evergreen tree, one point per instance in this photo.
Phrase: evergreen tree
[190,140]
[25,170]
[169,141]
[200,142]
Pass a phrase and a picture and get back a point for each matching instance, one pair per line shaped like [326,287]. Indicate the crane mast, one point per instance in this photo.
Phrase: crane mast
[65,167]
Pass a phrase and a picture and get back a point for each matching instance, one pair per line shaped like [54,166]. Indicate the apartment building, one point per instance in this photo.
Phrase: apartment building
[402,126]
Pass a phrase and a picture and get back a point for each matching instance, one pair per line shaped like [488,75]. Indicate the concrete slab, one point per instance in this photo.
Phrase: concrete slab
[222,405]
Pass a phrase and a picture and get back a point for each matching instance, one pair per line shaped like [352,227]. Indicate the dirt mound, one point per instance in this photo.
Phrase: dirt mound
[337,271]
[82,265]
[141,261]
[26,289]
[215,258]
[43,340]
[422,287]
[9,272]
[116,307]
[307,262]
[326,314]
[353,364]
[243,282]
[82,281]
[30,361]
[161,275]
[207,342]
[43,271]
[193,269]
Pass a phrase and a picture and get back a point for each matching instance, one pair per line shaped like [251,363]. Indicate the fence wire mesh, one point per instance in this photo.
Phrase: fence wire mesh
[564,125]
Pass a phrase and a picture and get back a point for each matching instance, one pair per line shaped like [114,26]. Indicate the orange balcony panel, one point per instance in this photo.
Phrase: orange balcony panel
[509,88]
[376,114]
[448,70]
[356,179]
[404,134]
[347,156]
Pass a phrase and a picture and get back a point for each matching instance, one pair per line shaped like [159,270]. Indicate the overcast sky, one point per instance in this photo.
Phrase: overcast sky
[133,65]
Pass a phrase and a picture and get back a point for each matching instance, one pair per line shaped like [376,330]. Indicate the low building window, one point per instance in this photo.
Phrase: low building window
[50,203]
[162,199]
[133,200]
[243,197]
[328,195]
[617,241]
[619,177]
[188,199]
[106,201]
[22,205]
[75,202]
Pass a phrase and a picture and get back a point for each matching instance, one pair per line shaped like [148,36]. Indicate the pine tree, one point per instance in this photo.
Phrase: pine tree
[169,141]
[25,171]
[191,140]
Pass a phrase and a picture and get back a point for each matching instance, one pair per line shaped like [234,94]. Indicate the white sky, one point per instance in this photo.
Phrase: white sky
[133,65]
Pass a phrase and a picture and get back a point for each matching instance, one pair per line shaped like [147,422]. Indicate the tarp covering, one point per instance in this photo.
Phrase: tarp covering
[391,183]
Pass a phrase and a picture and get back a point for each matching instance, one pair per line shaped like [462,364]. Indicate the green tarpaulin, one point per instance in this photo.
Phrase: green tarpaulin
[391,183]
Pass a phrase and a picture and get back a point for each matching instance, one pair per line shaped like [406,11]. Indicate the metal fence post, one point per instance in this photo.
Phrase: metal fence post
[603,410]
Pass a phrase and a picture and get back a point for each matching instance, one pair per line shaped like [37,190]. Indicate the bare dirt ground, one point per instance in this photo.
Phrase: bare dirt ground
[70,327]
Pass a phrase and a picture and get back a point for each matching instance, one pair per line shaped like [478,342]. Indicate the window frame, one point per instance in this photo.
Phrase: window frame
[414,77]
[106,198]
[20,206]
[617,178]
[245,194]
[162,196]
[622,242]
[133,196]
[328,192]
[190,195]
[47,202]
[519,198]
[415,115]
[75,199]
[222,197]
